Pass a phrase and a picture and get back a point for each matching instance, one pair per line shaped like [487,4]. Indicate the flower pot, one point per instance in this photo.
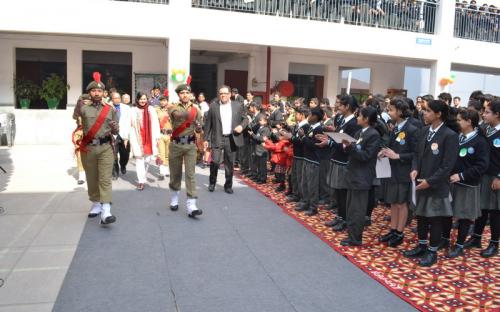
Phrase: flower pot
[52,103]
[24,103]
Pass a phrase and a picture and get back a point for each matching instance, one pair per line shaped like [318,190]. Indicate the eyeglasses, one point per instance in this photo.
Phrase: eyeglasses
[222,93]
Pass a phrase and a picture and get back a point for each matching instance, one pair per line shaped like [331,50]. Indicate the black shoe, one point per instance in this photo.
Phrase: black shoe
[80,182]
[293,198]
[195,213]
[124,170]
[395,241]
[429,259]
[93,215]
[211,187]
[455,251]
[490,251]
[280,189]
[444,244]
[311,212]
[174,207]
[387,237]
[302,207]
[348,242]
[228,190]
[416,252]
[114,177]
[322,202]
[368,221]
[108,220]
[341,226]
[261,182]
[333,222]
[473,242]
[161,177]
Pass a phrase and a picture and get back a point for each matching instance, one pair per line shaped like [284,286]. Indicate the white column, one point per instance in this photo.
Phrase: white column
[179,56]
[445,19]
[331,85]
[7,72]
[385,76]
[74,74]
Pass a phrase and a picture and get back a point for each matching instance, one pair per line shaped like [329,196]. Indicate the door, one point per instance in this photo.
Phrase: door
[237,79]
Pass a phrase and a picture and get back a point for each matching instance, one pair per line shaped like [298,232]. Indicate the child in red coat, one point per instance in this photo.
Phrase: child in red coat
[281,158]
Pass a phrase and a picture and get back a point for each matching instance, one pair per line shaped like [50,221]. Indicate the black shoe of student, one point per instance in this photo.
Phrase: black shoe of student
[311,212]
[348,242]
[444,244]
[473,242]
[322,202]
[261,182]
[124,170]
[454,252]
[211,187]
[161,177]
[339,227]
[333,222]
[387,237]
[429,259]
[490,251]
[292,198]
[280,189]
[228,190]
[302,207]
[395,241]
[174,208]
[255,179]
[416,252]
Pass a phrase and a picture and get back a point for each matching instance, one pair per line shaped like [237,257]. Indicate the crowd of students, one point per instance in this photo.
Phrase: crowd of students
[445,154]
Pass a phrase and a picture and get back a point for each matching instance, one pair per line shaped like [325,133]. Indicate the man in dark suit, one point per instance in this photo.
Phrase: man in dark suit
[223,131]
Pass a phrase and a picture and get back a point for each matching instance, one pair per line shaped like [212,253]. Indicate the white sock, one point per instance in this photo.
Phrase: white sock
[106,211]
[191,205]
[174,198]
[96,208]
[81,176]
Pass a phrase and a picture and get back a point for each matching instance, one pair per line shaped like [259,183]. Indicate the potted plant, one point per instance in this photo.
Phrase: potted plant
[25,91]
[53,90]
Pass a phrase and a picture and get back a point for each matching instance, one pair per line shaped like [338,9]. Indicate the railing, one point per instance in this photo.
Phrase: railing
[147,1]
[415,16]
[481,25]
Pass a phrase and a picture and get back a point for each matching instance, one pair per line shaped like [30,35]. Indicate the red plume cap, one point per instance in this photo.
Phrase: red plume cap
[97,76]
[165,92]
[188,81]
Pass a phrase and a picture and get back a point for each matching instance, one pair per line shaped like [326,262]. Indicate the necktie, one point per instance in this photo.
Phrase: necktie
[461,138]
[430,135]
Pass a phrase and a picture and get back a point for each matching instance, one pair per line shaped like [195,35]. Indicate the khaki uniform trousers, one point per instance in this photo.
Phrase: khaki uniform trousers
[98,164]
[163,149]
[183,153]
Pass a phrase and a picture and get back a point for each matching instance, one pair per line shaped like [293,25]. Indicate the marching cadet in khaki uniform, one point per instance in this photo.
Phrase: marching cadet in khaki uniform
[166,132]
[78,136]
[186,120]
[99,121]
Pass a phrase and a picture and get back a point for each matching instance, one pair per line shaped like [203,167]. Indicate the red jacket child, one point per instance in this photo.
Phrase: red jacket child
[282,152]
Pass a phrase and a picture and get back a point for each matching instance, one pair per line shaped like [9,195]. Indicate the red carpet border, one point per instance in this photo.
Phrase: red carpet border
[462,284]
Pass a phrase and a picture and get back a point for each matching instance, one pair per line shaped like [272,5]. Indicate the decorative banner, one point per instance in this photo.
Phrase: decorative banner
[178,75]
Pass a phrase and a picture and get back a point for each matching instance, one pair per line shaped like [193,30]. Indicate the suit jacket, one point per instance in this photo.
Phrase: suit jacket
[403,143]
[435,160]
[213,124]
[276,118]
[363,159]
[259,138]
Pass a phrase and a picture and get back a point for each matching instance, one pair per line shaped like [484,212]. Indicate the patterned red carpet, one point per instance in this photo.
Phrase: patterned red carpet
[450,285]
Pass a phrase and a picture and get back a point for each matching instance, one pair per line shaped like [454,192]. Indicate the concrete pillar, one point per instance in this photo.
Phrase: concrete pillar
[179,56]
[439,69]
[385,76]
[7,62]
[332,81]
[74,74]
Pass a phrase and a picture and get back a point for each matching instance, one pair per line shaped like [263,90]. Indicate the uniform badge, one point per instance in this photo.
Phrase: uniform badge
[471,150]
[402,142]
[435,148]
[358,147]
[341,131]
[463,152]
[359,140]
[496,142]
[310,135]
[402,135]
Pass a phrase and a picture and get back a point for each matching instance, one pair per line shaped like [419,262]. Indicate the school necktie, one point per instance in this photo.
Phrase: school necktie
[461,138]
[430,135]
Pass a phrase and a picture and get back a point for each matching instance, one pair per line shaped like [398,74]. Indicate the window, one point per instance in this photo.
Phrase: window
[115,69]
[307,86]
[36,65]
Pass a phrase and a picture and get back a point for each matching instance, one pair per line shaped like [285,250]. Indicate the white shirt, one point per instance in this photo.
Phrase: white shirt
[204,107]
[303,122]
[226,116]
[346,120]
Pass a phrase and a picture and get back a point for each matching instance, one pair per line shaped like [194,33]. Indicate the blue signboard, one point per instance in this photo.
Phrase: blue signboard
[424,41]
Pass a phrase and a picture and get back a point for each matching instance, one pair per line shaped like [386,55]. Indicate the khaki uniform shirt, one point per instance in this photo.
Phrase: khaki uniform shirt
[179,107]
[89,114]
[162,113]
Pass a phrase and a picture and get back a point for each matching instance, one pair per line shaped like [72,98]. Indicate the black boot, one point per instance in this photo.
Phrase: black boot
[341,226]
[416,252]
[302,207]
[490,251]
[444,243]
[387,237]
[455,251]
[473,242]
[429,259]
[396,240]
[116,171]
[280,188]
[333,222]
[313,210]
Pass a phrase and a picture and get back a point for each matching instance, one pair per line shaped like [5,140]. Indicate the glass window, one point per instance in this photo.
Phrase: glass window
[115,69]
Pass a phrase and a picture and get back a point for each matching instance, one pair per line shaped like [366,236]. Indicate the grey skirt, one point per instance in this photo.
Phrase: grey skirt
[466,201]
[397,193]
[433,207]
[337,176]
[490,200]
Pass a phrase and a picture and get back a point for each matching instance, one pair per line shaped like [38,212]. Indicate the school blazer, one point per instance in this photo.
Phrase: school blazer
[436,167]
[213,124]
[403,143]
[339,155]
[363,159]
[259,139]
[473,160]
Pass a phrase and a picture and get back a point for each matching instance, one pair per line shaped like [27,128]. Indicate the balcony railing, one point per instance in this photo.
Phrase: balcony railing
[147,1]
[415,16]
[481,25]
